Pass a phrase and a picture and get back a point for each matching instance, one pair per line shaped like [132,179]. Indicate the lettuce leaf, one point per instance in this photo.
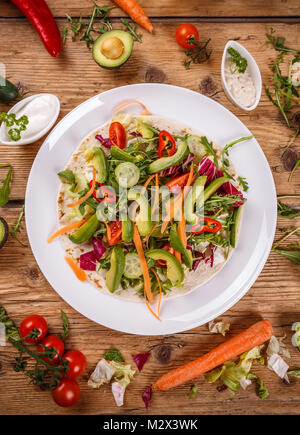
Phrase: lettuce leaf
[123,374]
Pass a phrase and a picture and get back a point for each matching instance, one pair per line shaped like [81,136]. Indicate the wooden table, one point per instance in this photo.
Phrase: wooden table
[74,77]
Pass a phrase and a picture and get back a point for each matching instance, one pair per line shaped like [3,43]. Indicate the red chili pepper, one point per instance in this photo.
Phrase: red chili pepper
[114,235]
[109,195]
[163,141]
[40,16]
[178,183]
[210,226]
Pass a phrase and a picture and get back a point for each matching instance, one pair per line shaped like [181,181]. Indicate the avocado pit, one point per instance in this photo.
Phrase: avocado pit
[112,48]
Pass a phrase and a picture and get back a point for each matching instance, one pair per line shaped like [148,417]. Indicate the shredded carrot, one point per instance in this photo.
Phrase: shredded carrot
[88,194]
[181,230]
[246,340]
[80,274]
[145,112]
[160,291]
[177,256]
[149,308]
[140,251]
[136,13]
[65,229]
[147,239]
[178,201]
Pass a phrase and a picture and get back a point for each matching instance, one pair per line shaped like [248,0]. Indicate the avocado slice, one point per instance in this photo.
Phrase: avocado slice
[112,49]
[97,157]
[236,223]
[194,197]
[144,130]
[117,265]
[166,162]
[3,232]
[86,230]
[174,270]
[143,220]
[119,154]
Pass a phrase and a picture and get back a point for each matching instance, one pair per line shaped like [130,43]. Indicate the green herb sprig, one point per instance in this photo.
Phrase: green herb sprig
[286,211]
[240,63]
[278,43]
[293,253]
[11,120]
[113,355]
[131,29]
[17,227]
[198,53]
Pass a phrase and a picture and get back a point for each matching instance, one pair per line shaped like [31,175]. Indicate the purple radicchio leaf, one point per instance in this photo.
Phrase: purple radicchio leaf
[99,248]
[105,142]
[140,359]
[146,396]
[135,134]
[88,261]
[208,168]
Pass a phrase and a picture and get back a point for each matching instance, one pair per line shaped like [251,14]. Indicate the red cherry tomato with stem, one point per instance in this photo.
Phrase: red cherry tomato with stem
[52,341]
[184,32]
[77,363]
[117,135]
[67,393]
[33,322]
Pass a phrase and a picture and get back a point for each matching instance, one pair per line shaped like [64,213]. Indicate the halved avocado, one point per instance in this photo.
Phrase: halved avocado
[113,48]
[3,232]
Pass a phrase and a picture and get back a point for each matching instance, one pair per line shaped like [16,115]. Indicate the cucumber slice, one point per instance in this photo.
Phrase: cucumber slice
[127,174]
[234,230]
[195,146]
[133,268]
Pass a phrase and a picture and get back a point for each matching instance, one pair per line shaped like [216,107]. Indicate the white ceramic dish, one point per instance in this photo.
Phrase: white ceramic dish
[41,133]
[253,71]
[204,303]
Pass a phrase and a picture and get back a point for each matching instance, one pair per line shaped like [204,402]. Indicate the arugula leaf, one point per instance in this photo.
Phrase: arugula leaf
[11,330]
[278,43]
[198,53]
[294,253]
[236,58]
[113,355]
[294,169]
[209,149]
[5,189]
[131,30]
[225,150]
[286,211]
[243,182]
[65,325]
[17,226]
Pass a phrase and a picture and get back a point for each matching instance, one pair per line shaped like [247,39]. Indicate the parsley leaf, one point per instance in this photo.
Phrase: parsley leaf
[113,355]
[240,62]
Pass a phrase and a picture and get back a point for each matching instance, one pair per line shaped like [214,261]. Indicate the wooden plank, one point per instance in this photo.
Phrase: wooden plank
[83,78]
[274,295]
[174,8]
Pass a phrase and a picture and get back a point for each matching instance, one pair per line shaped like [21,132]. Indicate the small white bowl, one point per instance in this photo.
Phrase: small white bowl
[37,136]
[252,68]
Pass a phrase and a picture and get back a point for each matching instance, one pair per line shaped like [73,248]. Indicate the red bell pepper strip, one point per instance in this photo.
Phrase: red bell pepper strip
[178,183]
[40,16]
[109,196]
[164,138]
[210,226]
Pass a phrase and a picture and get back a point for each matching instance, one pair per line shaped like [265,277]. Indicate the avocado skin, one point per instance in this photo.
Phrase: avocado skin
[4,226]
[127,40]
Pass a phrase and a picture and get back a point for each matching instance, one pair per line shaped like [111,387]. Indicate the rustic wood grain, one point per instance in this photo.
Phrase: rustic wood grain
[74,77]
[83,78]
[175,8]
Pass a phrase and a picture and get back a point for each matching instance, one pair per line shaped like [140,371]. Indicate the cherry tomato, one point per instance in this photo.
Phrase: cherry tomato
[117,134]
[114,235]
[33,322]
[52,341]
[109,195]
[184,32]
[169,248]
[67,393]
[77,363]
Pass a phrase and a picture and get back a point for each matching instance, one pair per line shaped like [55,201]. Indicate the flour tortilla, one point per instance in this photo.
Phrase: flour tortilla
[193,279]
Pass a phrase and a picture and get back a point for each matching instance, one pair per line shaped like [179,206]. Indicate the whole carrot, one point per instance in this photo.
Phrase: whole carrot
[246,340]
[136,12]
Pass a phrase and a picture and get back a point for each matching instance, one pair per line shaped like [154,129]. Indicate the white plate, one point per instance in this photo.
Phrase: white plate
[206,302]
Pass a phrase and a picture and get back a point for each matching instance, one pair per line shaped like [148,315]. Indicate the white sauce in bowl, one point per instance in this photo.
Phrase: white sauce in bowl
[240,85]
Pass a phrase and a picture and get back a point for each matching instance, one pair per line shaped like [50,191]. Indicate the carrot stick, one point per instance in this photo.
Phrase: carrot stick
[64,230]
[160,291]
[136,13]
[88,194]
[181,230]
[140,251]
[178,201]
[80,274]
[246,340]
[147,239]
[145,112]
